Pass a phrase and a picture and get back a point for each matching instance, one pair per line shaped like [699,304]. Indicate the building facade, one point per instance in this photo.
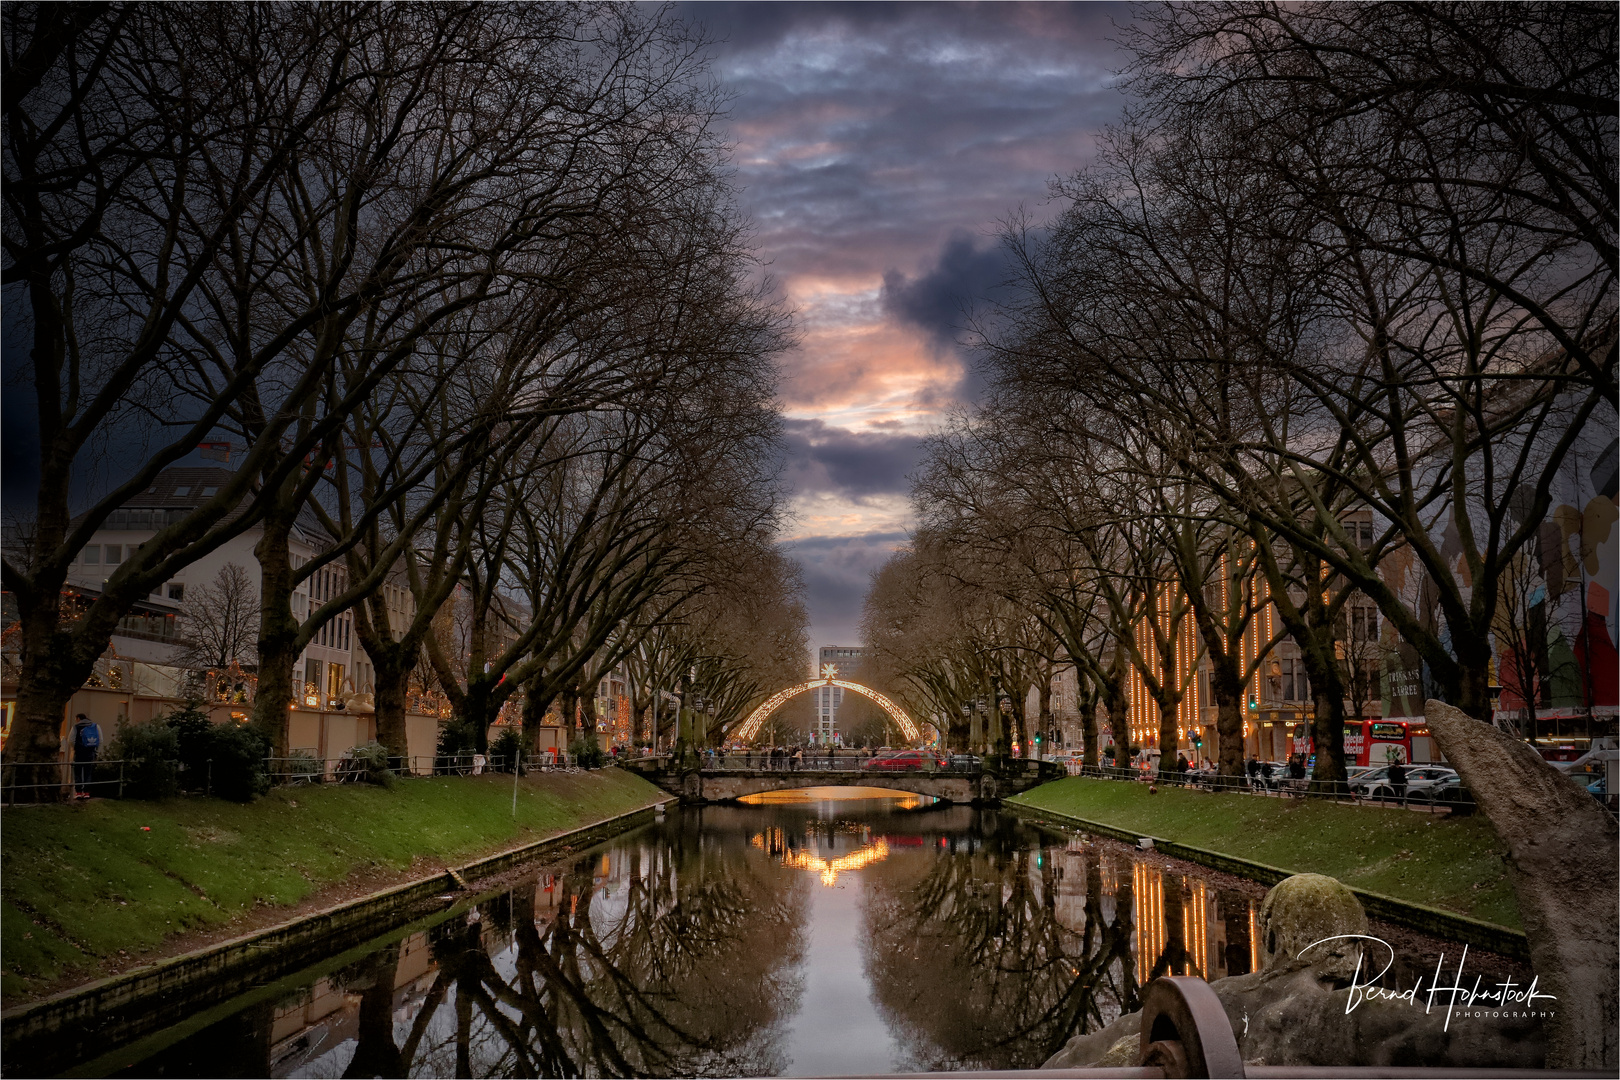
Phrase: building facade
[824,728]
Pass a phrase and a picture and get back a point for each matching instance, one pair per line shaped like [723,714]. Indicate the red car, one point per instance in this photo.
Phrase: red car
[904,761]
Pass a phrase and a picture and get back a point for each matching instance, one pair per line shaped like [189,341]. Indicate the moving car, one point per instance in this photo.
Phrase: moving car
[904,761]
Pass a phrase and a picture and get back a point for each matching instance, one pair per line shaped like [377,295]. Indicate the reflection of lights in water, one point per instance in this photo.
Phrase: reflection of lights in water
[1148,885]
[836,794]
[1195,923]
[1254,941]
[829,869]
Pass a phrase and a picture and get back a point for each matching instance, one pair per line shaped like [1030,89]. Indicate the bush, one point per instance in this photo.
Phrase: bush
[194,733]
[240,772]
[152,755]
[371,761]
[587,754]
[507,747]
[456,737]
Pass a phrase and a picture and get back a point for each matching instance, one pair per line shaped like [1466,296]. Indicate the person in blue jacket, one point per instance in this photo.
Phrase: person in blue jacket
[86,746]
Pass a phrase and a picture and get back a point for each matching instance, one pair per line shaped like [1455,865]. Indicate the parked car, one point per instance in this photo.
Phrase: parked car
[963,762]
[1422,782]
[904,761]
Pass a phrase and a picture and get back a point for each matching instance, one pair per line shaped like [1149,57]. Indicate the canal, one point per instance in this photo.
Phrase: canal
[817,932]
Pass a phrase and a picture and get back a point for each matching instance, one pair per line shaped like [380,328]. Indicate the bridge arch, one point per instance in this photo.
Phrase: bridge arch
[750,727]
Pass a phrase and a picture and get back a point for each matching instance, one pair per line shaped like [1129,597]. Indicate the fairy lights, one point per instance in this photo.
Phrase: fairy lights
[751,726]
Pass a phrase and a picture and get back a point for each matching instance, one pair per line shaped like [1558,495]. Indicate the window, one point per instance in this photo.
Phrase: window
[312,674]
[114,554]
[177,590]
[1367,533]
[208,492]
[334,680]
[92,555]
[182,491]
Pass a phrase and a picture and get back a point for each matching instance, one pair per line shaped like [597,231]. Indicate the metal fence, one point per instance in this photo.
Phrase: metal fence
[28,781]
[1422,795]
[102,779]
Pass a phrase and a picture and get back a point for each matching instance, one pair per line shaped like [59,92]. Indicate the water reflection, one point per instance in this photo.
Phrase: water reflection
[943,938]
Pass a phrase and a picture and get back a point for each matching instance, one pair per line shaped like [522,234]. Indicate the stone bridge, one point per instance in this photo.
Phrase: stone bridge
[722,783]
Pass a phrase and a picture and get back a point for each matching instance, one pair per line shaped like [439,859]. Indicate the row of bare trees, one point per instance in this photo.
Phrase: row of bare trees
[1320,327]
[465,280]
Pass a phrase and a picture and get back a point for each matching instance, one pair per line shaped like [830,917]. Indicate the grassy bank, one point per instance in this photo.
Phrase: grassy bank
[1452,863]
[86,888]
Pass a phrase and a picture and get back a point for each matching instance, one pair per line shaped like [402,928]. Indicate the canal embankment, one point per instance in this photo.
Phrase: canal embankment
[1439,874]
[105,889]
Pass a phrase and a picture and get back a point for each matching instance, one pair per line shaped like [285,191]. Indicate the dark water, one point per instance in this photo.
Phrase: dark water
[814,937]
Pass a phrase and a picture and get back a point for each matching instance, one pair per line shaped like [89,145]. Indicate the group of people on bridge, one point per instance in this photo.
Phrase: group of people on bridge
[788,758]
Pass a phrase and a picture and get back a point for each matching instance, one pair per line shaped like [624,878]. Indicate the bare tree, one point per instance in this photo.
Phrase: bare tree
[221,619]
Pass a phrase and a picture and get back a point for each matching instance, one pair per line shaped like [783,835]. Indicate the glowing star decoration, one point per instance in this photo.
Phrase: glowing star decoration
[829,671]
[751,726]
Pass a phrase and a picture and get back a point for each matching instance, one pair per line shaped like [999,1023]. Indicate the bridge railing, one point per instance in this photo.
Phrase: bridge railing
[822,763]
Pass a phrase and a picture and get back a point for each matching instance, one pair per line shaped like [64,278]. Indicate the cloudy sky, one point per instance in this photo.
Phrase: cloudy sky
[878,145]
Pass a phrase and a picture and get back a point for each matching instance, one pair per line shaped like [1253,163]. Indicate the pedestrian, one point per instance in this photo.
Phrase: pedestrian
[1296,767]
[86,742]
[798,759]
[1397,779]
[748,757]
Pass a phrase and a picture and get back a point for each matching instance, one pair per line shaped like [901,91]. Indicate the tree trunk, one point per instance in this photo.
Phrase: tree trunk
[475,710]
[1119,715]
[570,709]
[54,664]
[1088,731]
[1226,686]
[534,713]
[278,633]
[1169,738]
[42,703]
[393,684]
[1043,718]
[1327,726]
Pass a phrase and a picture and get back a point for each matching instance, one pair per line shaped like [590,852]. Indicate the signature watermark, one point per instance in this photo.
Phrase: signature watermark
[1460,999]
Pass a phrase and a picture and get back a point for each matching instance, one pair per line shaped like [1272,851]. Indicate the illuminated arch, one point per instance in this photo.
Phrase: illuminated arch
[751,726]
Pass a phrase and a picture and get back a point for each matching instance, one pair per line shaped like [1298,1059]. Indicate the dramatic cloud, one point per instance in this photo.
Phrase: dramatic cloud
[877,147]
[853,464]
[939,301]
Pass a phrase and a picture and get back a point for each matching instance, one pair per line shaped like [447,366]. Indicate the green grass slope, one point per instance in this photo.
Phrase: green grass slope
[84,884]
[1451,863]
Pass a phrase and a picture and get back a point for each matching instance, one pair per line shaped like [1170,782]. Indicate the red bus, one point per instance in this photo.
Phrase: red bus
[1368,742]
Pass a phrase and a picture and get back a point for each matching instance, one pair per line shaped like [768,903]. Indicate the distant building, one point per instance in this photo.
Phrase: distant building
[824,726]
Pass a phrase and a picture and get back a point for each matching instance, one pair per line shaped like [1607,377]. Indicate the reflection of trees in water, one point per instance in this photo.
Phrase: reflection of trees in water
[686,969]
[972,967]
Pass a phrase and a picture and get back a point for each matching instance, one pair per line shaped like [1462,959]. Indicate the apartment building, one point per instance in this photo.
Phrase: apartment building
[333,665]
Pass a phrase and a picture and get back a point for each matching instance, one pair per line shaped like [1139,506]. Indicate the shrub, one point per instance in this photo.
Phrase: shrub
[507,747]
[371,760]
[152,755]
[194,735]
[456,737]
[240,772]
[587,754]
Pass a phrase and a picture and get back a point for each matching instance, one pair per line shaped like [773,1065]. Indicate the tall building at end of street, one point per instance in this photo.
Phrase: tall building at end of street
[824,728]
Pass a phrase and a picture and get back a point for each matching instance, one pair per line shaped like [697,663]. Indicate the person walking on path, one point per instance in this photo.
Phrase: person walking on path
[86,747]
[1397,779]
